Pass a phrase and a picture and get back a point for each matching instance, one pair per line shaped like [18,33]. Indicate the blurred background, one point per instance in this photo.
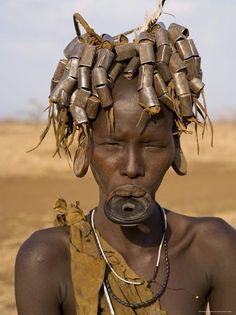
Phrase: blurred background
[33,36]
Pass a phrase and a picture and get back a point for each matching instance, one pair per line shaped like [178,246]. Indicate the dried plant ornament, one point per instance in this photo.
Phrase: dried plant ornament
[168,67]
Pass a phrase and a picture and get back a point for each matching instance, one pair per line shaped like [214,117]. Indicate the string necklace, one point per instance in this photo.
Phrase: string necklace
[104,255]
[106,285]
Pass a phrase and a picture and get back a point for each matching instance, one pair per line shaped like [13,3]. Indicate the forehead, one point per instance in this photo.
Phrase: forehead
[129,116]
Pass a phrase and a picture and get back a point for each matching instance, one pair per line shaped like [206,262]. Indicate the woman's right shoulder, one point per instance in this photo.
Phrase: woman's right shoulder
[45,247]
[42,272]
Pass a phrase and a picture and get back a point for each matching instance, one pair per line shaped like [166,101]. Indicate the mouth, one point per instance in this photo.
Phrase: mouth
[129,205]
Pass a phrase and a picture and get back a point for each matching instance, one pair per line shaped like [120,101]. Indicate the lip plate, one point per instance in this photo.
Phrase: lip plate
[114,209]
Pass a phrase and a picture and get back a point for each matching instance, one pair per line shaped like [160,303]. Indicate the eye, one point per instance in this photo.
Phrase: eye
[111,143]
[154,146]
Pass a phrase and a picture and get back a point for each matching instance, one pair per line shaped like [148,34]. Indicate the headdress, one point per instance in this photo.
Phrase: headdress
[168,67]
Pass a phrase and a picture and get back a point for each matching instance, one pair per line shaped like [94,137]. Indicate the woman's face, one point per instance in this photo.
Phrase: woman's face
[131,155]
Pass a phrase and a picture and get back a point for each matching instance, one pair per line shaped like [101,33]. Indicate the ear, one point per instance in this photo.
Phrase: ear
[179,164]
[81,163]
[82,155]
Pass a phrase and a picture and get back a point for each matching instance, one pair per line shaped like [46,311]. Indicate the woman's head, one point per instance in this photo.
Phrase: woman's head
[104,78]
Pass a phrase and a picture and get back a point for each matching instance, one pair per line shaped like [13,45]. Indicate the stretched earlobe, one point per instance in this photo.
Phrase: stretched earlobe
[81,159]
[81,163]
[179,164]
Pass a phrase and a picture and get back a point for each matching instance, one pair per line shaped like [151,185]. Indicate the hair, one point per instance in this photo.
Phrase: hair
[166,62]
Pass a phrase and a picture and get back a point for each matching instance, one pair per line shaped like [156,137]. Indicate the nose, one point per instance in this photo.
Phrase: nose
[132,163]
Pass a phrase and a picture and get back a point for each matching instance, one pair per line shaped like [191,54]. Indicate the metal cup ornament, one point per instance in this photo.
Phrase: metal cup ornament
[166,62]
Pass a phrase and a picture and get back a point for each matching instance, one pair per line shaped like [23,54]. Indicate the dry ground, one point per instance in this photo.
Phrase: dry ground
[30,183]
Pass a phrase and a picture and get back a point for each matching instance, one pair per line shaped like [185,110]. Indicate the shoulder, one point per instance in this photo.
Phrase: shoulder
[210,231]
[43,261]
[216,247]
[42,273]
[207,232]
[208,246]
[209,237]
[216,241]
[46,245]
[45,253]
[216,227]
[213,232]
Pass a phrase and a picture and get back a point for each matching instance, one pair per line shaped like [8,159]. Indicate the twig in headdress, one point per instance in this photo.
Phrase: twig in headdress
[88,29]
[149,21]
[51,119]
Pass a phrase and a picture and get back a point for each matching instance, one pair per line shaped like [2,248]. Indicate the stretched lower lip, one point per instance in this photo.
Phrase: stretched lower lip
[129,205]
[129,190]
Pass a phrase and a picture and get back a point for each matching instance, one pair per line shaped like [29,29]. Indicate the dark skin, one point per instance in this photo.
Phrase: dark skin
[202,251]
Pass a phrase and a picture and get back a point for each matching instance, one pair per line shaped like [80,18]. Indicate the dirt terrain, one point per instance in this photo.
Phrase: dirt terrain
[31,183]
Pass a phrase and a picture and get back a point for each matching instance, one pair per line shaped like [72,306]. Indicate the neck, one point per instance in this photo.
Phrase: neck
[146,235]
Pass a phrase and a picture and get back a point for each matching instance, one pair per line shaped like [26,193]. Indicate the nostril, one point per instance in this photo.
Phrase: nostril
[133,170]
[132,174]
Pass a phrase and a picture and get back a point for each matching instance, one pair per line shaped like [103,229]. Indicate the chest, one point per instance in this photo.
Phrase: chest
[187,288]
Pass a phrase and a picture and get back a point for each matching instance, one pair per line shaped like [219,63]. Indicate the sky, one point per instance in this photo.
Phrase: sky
[34,33]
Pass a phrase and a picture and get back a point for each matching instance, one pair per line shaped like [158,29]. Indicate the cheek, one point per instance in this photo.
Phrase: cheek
[102,165]
[158,164]
[169,156]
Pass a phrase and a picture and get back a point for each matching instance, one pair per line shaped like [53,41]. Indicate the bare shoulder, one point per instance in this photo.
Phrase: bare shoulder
[209,247]
[211,229]
[45,258]
[42,274]
[208,234]
[45,246]
[219,230]
[42,271]
[213,233]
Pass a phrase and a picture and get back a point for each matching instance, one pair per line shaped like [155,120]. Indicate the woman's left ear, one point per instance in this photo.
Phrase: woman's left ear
[179,164]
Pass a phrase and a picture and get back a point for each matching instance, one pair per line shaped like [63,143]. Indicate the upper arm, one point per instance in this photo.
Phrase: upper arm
[38,277]
[222,259]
